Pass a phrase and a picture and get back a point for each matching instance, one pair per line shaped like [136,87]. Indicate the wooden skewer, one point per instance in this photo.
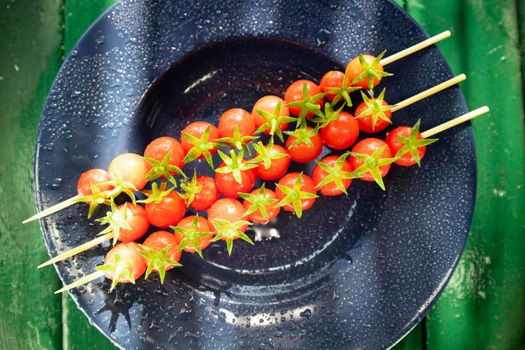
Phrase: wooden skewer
[387,60]
[53,209]
[81,281]
[78,250]
[456,121]
[415,48]
[422,95]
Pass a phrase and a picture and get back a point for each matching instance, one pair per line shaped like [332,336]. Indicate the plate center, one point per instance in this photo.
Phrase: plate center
[237,73]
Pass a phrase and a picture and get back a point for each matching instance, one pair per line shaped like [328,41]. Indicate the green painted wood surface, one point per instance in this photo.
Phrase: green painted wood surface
[484,305]
[30,56]
[482,308]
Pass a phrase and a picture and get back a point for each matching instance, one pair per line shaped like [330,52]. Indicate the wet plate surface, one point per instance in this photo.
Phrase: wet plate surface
[355,272]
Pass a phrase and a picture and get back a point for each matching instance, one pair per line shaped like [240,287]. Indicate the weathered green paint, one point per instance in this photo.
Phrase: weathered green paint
[414,340]
[483,306]
[78,332]
[521,25]
[401,3]
[29,59]
[78,16]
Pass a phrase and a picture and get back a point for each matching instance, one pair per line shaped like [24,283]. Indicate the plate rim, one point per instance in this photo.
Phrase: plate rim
[430,302]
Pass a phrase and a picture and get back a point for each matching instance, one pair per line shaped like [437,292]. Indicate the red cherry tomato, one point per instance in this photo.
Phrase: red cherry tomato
[366,124]
[395,145]
[208,195]
[341,133]
[302,152]
[332,79]
[161,239]
[369,146]
[294,93]
[129,167]
[268,104]
[308,185]
[159,148]
[197,129]
[202,226]
[236,118]
[228,186]
[227,209]
[168,212]
[319,175]
[128,258]
[271,210]
[137,220]
[354,69]
[277,167]
[92,177]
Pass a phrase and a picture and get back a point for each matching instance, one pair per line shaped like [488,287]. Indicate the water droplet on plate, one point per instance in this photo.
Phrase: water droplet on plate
[54,184]
[323,35]
[306,313]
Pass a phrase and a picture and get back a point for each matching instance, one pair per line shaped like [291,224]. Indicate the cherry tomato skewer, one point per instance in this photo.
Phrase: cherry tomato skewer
[383,62]
[429,133]
[108,269]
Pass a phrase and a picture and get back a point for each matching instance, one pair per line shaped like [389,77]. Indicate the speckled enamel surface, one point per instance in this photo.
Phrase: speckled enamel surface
[356,272]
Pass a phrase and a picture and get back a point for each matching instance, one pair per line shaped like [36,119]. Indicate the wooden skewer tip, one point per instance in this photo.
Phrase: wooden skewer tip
[81,281]
[454,122]
[446,34]
[77,250]
[429,92]
[53,209]
[415,48]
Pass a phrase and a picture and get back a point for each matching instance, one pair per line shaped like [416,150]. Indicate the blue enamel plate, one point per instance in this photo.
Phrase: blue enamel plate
[356,272]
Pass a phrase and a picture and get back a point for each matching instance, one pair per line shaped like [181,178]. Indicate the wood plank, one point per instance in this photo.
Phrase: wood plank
[521,26]
[30,57]
[78,16]
[78,332]
[414,340]
[401,3]
[484,302]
